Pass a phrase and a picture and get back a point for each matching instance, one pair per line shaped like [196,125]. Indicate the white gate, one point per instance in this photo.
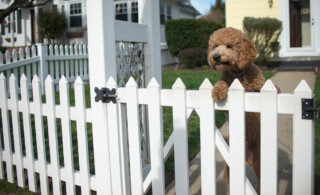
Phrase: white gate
[126,168]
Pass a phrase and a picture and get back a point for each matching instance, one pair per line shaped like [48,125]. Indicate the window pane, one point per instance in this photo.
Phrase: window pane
[19,22]
[123,17]
[75,21]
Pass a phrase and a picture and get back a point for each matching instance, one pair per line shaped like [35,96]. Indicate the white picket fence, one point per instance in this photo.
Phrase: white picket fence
[69,61]
[126,171]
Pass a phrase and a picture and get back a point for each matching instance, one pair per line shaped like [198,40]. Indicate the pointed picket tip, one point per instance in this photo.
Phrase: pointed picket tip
[153,83]
[269,86]
[303,87]
[236,85]
[63,80]
[49,79]
[2,76]
[206,84]
[131,83]
[111,82]
[35,78]
[23,77]
[178,84]
[12,77]
[78,81]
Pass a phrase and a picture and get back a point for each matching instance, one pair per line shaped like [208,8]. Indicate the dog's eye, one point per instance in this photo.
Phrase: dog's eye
[215,46]
[229,46]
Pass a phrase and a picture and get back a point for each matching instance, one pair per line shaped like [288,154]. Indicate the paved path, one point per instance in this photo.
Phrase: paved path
[287,81]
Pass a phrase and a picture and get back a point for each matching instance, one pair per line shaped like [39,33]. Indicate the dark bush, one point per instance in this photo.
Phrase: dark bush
[188,33]
[263,32]
[52,24]
[193,57]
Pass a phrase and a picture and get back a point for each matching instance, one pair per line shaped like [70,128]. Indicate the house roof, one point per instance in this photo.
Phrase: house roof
[187,7]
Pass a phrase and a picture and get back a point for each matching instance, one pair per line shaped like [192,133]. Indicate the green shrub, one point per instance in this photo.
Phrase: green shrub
[263,32]
[193,57]
[188,33]
[52,24]
[3,49]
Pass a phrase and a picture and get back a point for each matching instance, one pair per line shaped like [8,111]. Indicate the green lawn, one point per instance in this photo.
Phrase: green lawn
[192,79]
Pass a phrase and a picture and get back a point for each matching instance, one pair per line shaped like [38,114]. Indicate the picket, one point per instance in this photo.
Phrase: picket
[52,131]
[134,138]
[52,69]
[82,137]
[7,154]
[34,64]
[62,53]
[66,135]
[28,133]
[269,141]
[156,138]
[16,130]
[67,74]
[180,129]
[114,143]
[207,139]
[28,67]
[237,138]
[41,149]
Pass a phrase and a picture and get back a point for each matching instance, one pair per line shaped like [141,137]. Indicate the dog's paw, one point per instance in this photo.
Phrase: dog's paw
[220,91]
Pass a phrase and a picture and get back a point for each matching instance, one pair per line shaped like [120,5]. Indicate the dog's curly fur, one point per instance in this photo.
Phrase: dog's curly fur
[232,53]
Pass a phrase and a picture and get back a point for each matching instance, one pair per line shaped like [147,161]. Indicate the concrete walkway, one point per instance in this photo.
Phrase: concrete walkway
[287,81]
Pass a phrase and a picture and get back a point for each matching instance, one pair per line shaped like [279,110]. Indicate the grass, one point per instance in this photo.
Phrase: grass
[192,79]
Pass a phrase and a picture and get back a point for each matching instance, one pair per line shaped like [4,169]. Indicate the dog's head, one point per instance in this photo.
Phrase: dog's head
[230,50]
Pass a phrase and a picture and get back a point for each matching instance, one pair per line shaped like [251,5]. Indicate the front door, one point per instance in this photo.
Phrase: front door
[301,22]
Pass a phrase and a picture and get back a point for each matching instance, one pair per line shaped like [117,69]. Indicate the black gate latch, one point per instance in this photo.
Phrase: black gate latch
[105,95]
[308,109]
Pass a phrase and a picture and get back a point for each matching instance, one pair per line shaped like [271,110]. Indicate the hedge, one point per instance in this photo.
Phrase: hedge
[264,32]
[189,33]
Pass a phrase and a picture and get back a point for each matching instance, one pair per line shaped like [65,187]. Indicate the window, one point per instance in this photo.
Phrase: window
[169,17]
[121,12]
[19,22]
[134,12]
[75,15]
[162,14]
[3,27]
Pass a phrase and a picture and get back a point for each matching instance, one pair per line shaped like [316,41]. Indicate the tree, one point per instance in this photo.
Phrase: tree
[14,5]
[52,24]
[217,13]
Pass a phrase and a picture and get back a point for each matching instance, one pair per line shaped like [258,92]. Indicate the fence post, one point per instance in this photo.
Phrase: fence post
[102,60]
[303,145]
[43,71]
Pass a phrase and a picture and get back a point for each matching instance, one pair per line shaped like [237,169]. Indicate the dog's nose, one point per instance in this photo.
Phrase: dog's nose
[217,58]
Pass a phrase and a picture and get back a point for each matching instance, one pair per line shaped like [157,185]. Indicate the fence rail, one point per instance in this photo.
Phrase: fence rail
[126,163]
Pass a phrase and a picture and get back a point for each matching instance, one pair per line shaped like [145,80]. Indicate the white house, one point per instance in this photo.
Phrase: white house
[21,29]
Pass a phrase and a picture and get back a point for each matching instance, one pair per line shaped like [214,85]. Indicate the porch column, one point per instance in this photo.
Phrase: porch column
[102,61]
[36,12]
[149,14]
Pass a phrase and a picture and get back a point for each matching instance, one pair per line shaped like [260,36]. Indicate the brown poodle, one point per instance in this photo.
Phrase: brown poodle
[232,53]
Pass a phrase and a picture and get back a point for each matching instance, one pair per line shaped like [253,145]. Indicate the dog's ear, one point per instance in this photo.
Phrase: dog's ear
[210,48]
[247,54]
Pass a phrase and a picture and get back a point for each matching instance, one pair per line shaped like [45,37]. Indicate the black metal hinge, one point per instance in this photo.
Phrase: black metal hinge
[105,95]
[308,109]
